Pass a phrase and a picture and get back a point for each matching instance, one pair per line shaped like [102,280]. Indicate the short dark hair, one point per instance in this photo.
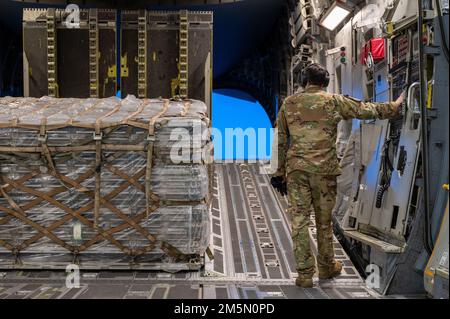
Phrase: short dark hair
[316,74]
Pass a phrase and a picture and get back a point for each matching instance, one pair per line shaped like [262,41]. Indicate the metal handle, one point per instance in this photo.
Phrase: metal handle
[410,100]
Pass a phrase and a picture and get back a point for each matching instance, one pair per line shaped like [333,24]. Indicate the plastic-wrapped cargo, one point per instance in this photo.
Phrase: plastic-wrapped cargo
[104,183]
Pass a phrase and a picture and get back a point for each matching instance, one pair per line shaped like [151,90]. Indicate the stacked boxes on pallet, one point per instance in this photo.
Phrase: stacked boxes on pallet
[104,183]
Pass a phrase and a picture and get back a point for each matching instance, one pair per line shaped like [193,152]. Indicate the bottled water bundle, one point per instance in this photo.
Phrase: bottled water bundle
[104,183]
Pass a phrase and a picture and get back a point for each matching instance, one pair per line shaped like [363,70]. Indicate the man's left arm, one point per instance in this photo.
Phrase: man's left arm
[283,139]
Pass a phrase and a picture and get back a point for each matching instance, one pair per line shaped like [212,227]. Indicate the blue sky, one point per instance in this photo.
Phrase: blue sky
[234,109]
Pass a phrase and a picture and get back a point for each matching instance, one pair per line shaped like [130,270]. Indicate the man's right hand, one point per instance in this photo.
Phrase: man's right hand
[280,184]
[399,102]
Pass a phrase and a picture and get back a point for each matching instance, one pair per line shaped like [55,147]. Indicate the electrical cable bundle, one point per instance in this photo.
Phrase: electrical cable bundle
[387,168]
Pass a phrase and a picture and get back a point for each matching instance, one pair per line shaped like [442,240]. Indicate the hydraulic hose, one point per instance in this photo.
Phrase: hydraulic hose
[428,241]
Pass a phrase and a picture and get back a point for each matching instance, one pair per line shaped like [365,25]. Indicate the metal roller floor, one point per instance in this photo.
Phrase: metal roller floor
[252,249]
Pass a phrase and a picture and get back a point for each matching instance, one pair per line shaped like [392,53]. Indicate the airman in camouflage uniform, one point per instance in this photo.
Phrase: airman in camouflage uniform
[307,129]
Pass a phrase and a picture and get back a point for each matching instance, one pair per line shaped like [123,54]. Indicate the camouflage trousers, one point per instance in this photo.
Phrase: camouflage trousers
[306,189]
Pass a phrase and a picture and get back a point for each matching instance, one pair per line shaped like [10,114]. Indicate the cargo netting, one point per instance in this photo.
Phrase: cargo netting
[104,183]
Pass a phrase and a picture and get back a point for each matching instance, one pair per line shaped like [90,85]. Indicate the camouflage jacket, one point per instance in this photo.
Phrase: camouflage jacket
[307,129]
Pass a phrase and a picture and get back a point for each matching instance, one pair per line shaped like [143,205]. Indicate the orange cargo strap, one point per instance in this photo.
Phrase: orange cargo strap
[98,136]
[149,196]
[186,107]
[47,156]
[98,171]
[43,142]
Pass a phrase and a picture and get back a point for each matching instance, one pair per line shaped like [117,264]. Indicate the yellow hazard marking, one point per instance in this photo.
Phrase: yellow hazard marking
[430,95]
[390,27]
[124,66]
[112,71]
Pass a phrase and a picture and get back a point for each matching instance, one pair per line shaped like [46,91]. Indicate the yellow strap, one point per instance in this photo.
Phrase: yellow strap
[186,107]
[98,172]
[151,141]
[45,150]
[44,147]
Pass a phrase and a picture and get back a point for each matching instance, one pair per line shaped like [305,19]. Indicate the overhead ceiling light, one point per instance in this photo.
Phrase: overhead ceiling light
[335,15]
